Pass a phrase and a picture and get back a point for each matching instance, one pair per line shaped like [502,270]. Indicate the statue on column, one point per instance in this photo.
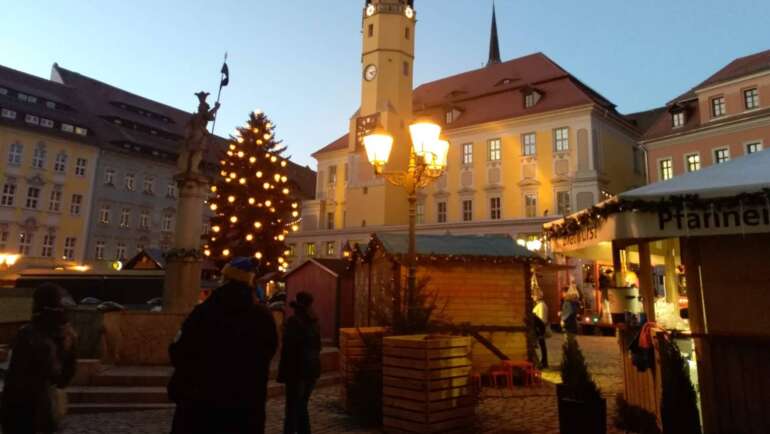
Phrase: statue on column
[196,136]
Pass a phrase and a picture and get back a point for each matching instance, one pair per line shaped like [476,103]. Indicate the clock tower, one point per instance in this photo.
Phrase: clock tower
[387,59]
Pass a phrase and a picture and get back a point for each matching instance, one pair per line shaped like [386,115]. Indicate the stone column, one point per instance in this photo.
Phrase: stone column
[184,262]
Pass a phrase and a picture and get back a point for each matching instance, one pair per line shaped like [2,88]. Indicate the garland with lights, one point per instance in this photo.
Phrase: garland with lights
[252,199]
[597,214]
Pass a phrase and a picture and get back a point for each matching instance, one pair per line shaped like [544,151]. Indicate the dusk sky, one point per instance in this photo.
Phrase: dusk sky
[299,60]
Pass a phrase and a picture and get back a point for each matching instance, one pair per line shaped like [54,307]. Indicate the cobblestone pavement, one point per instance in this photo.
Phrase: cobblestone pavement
[501,411]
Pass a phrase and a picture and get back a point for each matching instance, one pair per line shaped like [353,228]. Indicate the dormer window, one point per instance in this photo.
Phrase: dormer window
[531,98]
[718,107]
[452,115]
[677,119]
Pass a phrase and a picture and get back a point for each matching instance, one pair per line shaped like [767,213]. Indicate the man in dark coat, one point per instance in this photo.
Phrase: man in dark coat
[300,364]
[221,359]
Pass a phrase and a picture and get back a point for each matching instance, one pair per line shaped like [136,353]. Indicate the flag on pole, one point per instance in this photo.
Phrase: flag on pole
[225,75]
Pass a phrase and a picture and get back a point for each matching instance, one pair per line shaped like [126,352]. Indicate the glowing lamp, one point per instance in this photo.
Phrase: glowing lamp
[242,180]
[266,136]
[239,139]
[378,146]
[277,177]
[207,252]
[216,229]
[214,188]
[424,133]
[249,237]
[232,147]
[253,160]
[213,207]
[226,252]
[273,158]
[231,199]
[283,163]
[234,219]
[258,255]
[284,179]
[285,191]
[259,174]
[257,225]
[240,154]
[281,237]
[251,201]
[233,175]
[294,205]
[294,228]
[268,203]
[266,186]
[295,214]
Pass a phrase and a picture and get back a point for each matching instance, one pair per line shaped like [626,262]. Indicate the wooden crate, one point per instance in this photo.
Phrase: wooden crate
[356,344]
[426,387]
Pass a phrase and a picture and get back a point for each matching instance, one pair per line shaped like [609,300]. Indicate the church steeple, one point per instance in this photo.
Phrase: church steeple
[494,43]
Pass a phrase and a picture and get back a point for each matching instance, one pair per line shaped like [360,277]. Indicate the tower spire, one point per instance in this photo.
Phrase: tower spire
[494,43]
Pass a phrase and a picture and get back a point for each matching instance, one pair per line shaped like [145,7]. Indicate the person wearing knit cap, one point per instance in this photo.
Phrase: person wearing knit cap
[221,359]
[300,364]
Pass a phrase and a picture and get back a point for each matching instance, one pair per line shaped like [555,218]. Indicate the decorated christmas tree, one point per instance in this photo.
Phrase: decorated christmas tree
[252,200]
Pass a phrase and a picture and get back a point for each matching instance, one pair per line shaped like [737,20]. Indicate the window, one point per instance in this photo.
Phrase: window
[346,172]
[677,119]
[54,204]
[528,144]
[77,200]
[67,128]
[33,194]
[718,106]
[69,248]
[406,33]
[449,116]
[467,210]
[692,162]
[125,216]
[99,250]
[171,190]
[25,242]
[419,215]
[149,185]
[370,30]
[104,214]
[144,220]
[3,239]
[666,167]
[14,155]
[165,225]
[130,182]
[332,175]
[530,205]
[60,164]
[468,154]
[310,249]
[561,139]
[753,147]
[406,68]
[3,91]
[32,119]
[109,176]
[46,123]
[292,250]
[50,104]
[751,98]
[38,157]
[494,208]
[9,114]
[81,131]
[48,243]
[120,252]
[330,220]
[9,194]
[562,203]
[80,167]
[330,248]
[441,212]
[721,155]
[494,150]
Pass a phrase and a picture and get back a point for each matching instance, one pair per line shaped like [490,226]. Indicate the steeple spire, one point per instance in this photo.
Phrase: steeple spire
[494,43]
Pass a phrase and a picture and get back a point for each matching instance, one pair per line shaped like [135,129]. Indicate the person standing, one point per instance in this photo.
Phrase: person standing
[540,312]
[300,364]
[42,364]
[221,359]
[569,310]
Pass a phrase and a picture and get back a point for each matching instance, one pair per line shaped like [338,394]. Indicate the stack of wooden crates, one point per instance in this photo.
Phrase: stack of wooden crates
[426,384]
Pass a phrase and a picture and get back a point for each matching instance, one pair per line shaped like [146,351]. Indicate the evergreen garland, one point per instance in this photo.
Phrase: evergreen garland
[252,199]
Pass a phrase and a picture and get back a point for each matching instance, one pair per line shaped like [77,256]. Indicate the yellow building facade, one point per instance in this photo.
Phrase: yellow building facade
[48,159]
[529,142]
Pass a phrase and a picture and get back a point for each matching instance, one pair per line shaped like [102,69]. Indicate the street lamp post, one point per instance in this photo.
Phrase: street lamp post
[427,162]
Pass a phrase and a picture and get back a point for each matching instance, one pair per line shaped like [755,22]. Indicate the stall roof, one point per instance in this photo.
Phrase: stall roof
[493,246]
[747,174]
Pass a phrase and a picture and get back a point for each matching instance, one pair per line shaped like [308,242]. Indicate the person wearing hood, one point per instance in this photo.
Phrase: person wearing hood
[42,364]
[221,359]
[300,365]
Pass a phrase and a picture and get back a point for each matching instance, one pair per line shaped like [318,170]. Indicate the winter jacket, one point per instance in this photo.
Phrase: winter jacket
[222,354]
[301,349]
[43,357]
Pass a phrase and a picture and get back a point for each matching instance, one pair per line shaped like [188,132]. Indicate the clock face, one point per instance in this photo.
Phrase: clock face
[370,72]
[370,10]
[409,12]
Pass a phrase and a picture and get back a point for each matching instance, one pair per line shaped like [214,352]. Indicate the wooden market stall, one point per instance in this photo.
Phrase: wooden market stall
[713,226]
[481,283]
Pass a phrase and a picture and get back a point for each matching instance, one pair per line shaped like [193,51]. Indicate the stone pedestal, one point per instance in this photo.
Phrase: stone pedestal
[184,262]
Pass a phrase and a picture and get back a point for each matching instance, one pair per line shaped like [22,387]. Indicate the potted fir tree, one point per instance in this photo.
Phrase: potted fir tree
[582,409]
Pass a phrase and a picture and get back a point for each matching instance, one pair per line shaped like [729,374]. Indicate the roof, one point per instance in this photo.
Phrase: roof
[335,267]
[746,174]
[497,92]
[489,246]
[64,111]
[739,67]
[304,178]
[645,119]
[155,255]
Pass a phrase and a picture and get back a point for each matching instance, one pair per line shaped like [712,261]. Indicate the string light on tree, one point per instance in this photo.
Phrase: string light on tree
[253,204]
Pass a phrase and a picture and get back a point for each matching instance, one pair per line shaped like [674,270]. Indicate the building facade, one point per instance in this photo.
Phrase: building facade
[724,117]
[528,142]
[48,158]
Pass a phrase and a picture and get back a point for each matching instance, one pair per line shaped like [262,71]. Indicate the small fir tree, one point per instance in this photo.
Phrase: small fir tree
[252,199]
[575,377]
[679,403]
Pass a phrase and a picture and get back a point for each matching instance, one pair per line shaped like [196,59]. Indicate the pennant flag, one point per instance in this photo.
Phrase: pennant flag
[225,75]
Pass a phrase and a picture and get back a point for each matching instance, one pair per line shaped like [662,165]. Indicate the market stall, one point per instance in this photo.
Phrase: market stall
[710,231]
